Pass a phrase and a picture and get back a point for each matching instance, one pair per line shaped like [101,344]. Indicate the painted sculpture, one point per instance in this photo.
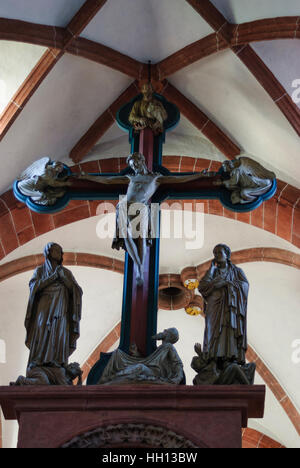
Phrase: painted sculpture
[148,112]
[44,181]
[133,223]
[247,180]
[52,320]
[163,366]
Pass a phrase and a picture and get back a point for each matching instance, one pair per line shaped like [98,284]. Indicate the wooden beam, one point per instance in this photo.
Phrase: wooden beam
[101,125]
[261,30]
[192,53]
[201,121]
[29,86]
[31,33]
[252,61]
[213,17]
[254,31]
[270,83]
[50,36]
[53,36]
[265,30]
[83,17]
[46,63]
[108,57]
[61,38]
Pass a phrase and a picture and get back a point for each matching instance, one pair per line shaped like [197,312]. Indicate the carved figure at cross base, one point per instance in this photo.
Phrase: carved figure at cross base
[163,366]
[46,375]
[224,288]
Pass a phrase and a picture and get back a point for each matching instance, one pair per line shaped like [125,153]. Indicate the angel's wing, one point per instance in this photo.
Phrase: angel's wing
[35,169]
[256,169]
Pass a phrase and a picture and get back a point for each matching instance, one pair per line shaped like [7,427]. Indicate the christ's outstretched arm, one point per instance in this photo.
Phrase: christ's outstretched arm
[181,179]
[103,179]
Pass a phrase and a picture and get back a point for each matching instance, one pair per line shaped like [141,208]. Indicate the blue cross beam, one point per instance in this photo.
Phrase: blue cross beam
[220,186]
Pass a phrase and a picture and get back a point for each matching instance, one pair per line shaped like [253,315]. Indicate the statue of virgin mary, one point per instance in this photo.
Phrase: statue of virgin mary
[53,312]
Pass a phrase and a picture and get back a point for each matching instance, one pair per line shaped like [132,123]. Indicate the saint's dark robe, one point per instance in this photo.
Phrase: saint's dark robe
[163,366]
[53,316]
[225,310]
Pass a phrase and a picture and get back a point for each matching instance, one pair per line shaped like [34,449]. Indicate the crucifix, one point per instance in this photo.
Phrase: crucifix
[143,183]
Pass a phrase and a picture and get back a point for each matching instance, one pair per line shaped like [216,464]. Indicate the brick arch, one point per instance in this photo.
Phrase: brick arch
[255,439]
[259,254]
[255,254]
[10,269]
[19,225]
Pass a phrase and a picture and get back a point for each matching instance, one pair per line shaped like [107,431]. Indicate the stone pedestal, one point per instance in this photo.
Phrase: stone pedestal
[132,416]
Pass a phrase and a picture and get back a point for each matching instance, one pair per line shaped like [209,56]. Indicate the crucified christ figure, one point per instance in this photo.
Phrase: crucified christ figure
[133,211]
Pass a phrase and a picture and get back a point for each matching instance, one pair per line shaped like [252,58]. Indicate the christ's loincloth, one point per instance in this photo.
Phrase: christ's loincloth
[132,220]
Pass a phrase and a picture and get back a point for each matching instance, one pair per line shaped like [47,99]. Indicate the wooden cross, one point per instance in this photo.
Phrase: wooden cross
[140,302]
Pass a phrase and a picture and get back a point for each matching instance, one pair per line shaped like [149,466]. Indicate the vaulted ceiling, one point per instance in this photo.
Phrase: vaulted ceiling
[231,67]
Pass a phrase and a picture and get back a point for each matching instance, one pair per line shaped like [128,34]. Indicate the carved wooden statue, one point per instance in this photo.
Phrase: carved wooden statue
[247,179]
[148,112]
[52,319]
[44,182]
[163,366]
[224,288]
[133,230]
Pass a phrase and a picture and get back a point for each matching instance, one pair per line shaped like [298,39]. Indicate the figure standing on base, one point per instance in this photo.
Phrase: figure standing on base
[224,288]
[52,319]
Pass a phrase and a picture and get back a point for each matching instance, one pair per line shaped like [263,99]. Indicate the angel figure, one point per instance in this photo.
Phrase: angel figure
[44,181]
[148,112]
[248,179]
